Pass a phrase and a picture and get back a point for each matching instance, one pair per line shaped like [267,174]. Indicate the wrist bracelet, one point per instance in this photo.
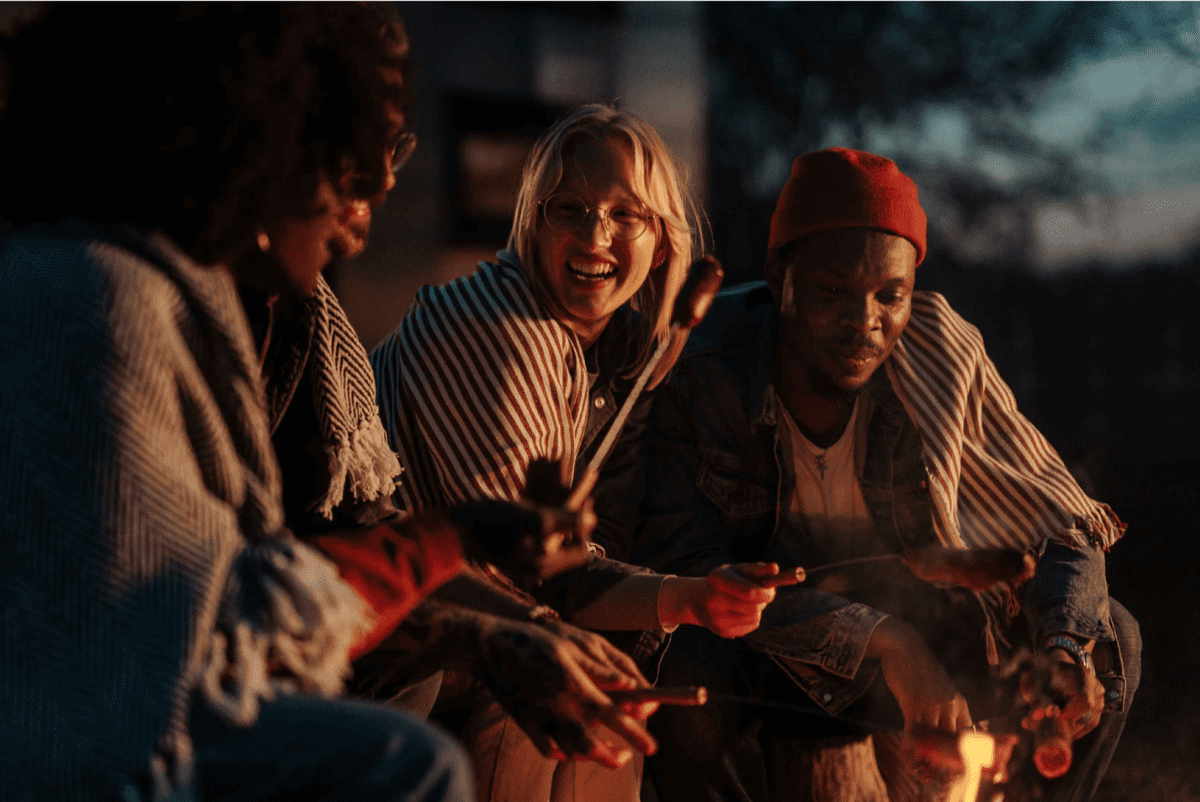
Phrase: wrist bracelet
[1071,647]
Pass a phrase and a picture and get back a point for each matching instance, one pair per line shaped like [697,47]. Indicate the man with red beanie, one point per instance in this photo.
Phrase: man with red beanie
[837,419]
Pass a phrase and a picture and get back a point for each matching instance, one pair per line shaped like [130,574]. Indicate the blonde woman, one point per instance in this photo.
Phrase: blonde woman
[530,358]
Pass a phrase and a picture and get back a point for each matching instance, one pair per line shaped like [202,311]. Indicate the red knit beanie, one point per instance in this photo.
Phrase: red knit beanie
[840,188]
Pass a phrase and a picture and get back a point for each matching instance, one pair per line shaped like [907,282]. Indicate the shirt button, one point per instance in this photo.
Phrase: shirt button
[600,402]
[828,697]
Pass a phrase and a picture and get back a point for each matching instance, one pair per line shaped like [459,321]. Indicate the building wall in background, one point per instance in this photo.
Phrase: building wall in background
[646,57]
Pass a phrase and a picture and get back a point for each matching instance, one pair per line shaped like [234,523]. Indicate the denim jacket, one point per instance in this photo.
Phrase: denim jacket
[616,507]
[715,487]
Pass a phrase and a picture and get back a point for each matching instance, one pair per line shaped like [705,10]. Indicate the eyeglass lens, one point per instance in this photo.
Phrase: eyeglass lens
[568,213]
[405,145]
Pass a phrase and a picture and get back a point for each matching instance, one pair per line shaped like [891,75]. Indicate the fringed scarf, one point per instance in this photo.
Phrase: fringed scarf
[343,386]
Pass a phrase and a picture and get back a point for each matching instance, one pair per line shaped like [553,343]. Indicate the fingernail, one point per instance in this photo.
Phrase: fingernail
[624,756]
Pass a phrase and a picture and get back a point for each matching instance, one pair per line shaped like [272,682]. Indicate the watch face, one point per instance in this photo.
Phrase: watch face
[1071,647]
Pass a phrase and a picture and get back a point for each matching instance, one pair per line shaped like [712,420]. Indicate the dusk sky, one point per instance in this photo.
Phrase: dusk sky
[1126,105]
[1131,109]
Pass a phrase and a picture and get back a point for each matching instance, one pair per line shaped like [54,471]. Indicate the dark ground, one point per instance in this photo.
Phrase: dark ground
[1153,572]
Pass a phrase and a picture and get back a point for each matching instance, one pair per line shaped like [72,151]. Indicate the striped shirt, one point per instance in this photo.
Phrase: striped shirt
[479,380]
[994,479]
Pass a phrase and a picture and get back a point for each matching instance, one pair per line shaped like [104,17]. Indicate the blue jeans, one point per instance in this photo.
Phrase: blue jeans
[321,749]
[722,752]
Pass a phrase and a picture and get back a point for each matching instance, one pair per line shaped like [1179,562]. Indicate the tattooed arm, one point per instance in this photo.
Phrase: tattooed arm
[552,685]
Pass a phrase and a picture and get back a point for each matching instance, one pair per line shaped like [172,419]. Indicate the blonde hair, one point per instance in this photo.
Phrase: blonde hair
[657,182]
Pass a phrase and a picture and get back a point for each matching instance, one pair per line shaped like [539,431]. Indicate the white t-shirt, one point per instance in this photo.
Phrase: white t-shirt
[826,500]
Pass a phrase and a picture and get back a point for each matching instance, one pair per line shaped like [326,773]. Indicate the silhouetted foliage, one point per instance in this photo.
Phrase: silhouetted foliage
[788,78]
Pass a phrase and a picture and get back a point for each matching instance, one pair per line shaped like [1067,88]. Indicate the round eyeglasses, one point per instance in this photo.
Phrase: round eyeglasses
[624,221]
[402,151]
[367,183]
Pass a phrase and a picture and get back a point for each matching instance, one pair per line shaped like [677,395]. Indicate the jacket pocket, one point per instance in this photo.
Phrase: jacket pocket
[736,494]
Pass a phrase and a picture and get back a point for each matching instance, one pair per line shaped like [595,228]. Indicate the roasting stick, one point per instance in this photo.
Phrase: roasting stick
[690,308]
[689,696]
[976,569]
[591,474]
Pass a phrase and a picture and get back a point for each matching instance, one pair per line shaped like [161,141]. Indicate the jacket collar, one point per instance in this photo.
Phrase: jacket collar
[762,392]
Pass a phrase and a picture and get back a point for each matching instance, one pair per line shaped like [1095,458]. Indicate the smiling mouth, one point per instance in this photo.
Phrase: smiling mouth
[857,357]
[595,271]
[350,234]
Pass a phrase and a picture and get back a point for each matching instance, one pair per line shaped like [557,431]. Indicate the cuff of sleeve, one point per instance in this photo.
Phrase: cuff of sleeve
[392,572]
[1074,623]
[835,642]
[848,639]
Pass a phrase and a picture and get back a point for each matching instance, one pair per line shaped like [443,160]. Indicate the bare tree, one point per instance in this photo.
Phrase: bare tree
[787,78]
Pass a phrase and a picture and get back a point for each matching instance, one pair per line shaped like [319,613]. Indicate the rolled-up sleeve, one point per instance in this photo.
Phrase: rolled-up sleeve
[1068,593]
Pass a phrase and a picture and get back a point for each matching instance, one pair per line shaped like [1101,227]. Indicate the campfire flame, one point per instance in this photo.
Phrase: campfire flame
[978,751]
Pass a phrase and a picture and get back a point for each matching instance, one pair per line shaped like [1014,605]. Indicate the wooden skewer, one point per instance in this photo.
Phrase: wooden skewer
[693,696]
[690,307]
[977,569]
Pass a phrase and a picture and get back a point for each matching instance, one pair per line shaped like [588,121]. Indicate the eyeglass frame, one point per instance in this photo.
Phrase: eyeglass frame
[603,214]
[402,151]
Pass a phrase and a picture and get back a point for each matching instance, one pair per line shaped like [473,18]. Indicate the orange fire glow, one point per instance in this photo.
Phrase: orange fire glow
[978,751]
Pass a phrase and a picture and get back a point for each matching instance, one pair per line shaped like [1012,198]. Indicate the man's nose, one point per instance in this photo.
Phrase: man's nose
[860,314]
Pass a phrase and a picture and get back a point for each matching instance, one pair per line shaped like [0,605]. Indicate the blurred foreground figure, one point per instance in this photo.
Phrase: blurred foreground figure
[162,633]
[836,417]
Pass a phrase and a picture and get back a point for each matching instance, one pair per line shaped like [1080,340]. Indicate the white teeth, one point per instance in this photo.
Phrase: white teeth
[593,270]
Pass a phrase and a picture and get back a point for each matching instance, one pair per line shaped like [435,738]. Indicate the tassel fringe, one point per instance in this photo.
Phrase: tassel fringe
[286,608]
[365,462]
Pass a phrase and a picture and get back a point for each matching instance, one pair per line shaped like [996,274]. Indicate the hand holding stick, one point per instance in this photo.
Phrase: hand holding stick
[728,601]
[785,577]
[1065,703]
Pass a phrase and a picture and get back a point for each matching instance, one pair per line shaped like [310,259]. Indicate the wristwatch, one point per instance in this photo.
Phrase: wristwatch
[1071,647]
